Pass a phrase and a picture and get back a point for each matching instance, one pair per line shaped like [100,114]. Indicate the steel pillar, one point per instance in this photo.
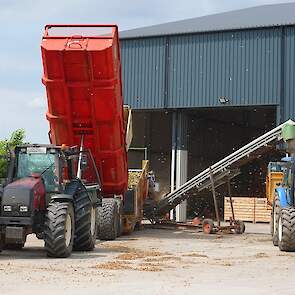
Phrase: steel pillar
[179,161]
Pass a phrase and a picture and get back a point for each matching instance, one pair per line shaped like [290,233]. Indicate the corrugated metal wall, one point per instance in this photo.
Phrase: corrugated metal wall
[143,70]
[189,71]
[243,66]
[289,103]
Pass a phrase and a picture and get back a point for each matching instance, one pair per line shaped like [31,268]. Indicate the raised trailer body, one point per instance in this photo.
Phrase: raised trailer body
[82,76]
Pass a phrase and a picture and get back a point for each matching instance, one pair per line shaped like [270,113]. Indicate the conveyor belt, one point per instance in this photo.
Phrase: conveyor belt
[221,170]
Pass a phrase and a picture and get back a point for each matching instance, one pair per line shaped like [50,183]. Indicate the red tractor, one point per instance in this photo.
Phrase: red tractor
[47,195]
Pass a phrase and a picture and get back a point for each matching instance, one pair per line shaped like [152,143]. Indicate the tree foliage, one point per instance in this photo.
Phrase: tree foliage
[17,137]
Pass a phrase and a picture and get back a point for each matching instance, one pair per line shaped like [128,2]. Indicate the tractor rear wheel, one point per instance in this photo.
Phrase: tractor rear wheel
[86,223]
[276,208]
[108,219]
[59,229]
[286,229]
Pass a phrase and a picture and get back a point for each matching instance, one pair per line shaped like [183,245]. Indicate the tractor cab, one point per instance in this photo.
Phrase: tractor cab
[288,178]
[39,162]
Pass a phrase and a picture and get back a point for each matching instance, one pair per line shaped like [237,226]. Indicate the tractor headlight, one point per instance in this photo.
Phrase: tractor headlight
[7,208]
[23,209]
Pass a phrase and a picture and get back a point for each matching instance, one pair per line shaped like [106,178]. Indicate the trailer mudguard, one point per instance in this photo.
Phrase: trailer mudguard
[283,196]
[62,197]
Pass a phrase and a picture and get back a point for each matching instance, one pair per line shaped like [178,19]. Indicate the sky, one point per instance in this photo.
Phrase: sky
[22,95]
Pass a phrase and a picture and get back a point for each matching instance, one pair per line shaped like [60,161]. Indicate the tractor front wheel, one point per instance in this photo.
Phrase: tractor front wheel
[240,227]
[59,229]
[86,223]
[286,229]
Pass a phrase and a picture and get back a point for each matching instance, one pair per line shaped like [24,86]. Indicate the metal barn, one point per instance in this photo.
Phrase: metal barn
[201,88]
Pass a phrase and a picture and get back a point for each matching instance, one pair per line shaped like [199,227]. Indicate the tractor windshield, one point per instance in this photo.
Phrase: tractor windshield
[43,164]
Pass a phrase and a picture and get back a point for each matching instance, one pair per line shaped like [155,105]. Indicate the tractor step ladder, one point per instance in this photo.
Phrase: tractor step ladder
[219,170]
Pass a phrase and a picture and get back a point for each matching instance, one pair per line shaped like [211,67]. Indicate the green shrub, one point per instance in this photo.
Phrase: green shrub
[16,138]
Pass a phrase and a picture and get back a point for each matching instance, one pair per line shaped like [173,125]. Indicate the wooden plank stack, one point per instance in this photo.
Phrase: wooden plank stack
[248,209]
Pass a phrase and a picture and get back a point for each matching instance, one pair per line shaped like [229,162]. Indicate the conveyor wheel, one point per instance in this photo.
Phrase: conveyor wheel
[208,226]
[240,229]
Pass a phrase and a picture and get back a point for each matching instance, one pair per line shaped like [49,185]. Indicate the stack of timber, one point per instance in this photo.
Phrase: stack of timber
[248,209]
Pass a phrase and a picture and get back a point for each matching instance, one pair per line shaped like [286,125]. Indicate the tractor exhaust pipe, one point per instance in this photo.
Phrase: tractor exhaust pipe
[10,166]
[79,170]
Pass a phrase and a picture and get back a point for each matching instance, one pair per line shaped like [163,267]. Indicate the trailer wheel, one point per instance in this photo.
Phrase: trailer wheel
[286,229]
[208,226]
[59,229]
[275,213]
[85,224]
[108,219]
[240,227]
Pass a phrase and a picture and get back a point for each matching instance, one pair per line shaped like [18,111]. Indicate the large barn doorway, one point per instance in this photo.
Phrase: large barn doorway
[216,133]
[211,134]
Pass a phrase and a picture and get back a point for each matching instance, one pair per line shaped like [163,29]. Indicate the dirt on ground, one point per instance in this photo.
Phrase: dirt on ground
[154,261]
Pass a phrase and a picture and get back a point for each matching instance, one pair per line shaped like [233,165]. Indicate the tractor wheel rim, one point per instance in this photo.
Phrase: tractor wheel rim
[280,229]
[93,223]
[68,230]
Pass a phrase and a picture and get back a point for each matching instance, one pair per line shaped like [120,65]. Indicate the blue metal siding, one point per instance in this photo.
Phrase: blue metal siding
[194,70]
[143,71]
[243,66]
[289,103]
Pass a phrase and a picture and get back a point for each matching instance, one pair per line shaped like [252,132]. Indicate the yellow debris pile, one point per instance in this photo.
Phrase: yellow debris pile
[133,178]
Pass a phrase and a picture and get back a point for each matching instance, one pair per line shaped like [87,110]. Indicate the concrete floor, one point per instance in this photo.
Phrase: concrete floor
[154,261]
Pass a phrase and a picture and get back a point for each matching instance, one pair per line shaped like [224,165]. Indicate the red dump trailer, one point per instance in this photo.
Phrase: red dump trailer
[82,76]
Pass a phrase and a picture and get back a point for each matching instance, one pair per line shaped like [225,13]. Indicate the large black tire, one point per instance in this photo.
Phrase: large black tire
[286,231]
[240,229]
[59,229]
[274,222]
[108,219]
[85,224]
